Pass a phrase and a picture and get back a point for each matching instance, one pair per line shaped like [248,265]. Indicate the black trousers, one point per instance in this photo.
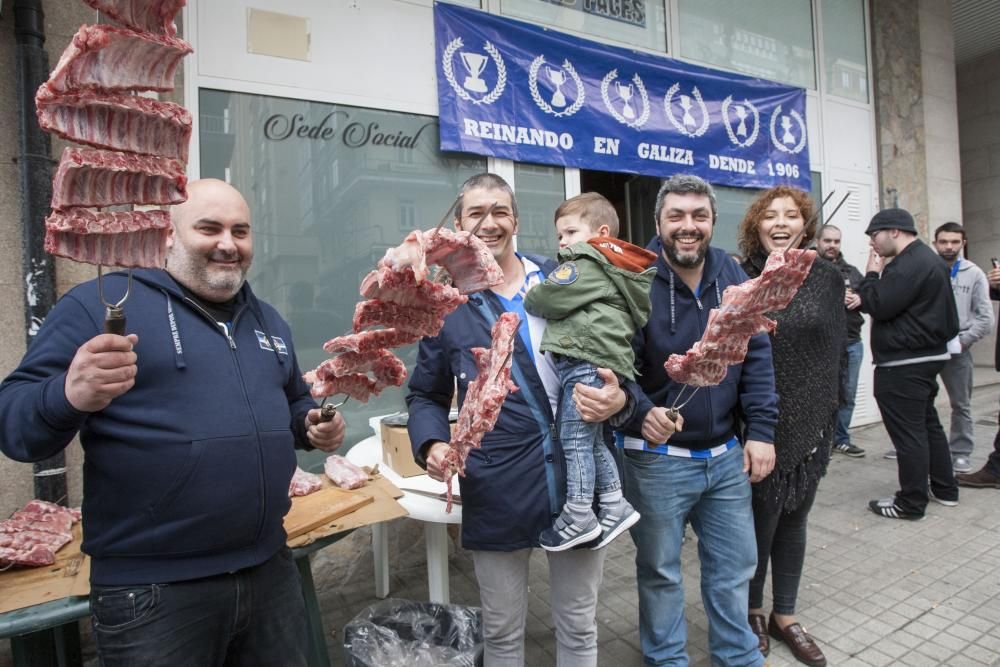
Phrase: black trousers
[993,464]
[781,539]
[905,397]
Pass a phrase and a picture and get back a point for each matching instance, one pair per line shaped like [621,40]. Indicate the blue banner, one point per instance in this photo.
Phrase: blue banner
[515,90]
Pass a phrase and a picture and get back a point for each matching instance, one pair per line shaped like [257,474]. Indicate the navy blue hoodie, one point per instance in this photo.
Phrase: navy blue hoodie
[185,475]
[676,322]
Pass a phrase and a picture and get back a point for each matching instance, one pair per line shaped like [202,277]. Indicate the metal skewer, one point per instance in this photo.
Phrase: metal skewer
[327,411]
[114,314]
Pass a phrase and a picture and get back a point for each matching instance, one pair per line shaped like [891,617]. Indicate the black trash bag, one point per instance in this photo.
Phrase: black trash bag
[401,633]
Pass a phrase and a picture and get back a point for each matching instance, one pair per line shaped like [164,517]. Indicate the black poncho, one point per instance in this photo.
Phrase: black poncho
[808,349]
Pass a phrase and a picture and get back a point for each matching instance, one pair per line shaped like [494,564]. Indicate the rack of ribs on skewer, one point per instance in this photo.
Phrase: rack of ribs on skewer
[142,143]
[484,397]
[739,317]
[400,298]
[155,17]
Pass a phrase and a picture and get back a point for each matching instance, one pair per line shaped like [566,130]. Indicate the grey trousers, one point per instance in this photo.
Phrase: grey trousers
[574,577]
[957,377]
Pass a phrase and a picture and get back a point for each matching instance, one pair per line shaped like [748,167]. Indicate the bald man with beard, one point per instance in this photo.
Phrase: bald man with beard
[189,425]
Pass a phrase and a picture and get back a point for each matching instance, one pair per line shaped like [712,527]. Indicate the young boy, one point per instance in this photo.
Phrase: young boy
[593,303]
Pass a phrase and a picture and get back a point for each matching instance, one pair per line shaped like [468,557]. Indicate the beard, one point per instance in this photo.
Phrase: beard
[196,272]
[949,256]
[829,253]
[687,260]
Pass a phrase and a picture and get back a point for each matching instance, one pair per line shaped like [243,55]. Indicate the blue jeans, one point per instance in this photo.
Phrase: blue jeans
[590,467]
[715,495]
[848,390]
[255,616]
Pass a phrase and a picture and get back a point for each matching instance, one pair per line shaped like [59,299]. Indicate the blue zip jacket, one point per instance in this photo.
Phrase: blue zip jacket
[747,393]
[185,475]
[514,486]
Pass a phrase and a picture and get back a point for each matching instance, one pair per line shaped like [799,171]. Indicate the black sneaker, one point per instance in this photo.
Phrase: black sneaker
[847,449]
[566,533]
[888,508]
[614,521]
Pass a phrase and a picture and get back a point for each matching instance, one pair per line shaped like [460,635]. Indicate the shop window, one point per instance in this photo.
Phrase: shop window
[771,39]
[845,57]
[407,215]
[539,190]
[632,22]
[337,198]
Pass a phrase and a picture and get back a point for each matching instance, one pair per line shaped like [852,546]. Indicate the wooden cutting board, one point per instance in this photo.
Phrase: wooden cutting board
[321,508]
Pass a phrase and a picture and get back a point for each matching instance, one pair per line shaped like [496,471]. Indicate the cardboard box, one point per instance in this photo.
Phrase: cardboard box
[397,453]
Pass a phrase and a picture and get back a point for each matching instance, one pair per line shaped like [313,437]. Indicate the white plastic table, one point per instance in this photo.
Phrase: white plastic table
[368,452]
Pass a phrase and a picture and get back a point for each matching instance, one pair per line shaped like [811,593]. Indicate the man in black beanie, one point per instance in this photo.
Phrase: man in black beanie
[913,318]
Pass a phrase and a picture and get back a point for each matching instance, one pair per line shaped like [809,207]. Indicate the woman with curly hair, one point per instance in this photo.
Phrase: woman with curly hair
[807,346]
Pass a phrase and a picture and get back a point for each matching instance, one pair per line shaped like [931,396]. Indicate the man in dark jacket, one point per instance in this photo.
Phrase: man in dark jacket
[514,486]
[704,472]
[828,247]
[188,425]
[913,319]
[988,477]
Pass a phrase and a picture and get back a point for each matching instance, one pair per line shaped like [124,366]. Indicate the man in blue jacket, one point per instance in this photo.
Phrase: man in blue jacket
[188,425]
[703,474]
[514,486]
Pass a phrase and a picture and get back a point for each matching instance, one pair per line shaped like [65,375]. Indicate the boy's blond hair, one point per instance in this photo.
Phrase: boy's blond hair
[594,209]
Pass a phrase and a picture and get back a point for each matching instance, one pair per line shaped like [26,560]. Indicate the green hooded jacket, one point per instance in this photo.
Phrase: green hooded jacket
[594,302]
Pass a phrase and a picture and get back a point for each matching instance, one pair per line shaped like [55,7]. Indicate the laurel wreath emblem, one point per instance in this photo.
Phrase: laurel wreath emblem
[643,117]
[449,72]
[536,64]
[729,125]
[802,126]
[669,111]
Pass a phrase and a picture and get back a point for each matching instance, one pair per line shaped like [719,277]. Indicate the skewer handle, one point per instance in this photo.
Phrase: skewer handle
[327,412]
[114,320]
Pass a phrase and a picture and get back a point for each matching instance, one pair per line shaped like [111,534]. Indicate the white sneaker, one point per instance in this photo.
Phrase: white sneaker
[891,455]
[961,464]
[941,501]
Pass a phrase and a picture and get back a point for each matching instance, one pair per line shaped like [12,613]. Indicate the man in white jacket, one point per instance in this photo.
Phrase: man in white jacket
[975,318]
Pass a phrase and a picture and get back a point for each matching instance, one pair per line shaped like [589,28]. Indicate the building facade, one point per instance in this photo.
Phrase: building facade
[325,115]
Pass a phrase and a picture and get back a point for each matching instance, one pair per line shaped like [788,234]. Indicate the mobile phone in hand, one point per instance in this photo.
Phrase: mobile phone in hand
[996,263]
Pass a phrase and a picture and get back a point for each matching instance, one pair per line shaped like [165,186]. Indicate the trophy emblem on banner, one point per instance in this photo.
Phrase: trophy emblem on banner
[558,77]
[474,64]
[627,91]
[744,112]
[687,126]
[788,142]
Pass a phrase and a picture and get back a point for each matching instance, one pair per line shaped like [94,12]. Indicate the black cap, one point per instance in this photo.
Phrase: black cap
[892,218]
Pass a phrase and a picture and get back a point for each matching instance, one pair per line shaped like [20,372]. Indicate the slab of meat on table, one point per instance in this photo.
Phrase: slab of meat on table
[33,534]
[484,396]
[89,177]
[111,59]
[117,121]
[739,317]
[303,483]
[343,473]
[153,16]
[114,238]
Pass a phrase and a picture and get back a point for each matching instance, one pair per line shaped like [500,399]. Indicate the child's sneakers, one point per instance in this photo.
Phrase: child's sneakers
[615,520]
[566,533]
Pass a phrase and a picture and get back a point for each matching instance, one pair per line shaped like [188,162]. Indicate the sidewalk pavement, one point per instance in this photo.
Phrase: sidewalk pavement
[874,591]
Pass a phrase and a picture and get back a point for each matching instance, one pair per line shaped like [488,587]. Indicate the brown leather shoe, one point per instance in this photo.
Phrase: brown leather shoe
[981,479]
[802,645]
[758,623]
